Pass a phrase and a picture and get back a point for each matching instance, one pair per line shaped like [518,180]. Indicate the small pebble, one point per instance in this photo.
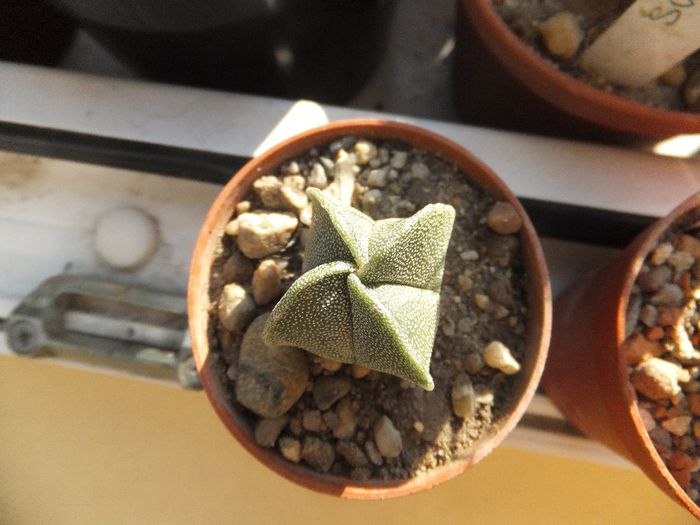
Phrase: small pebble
[638,348]
[267,282]
[420,171]
[675,76]
[647,419]
[418,426]
[483,302]
[387,438]
[473,363]
[317,177]
[352,453]
[661,253]
[398,159]
[504,219]
[562,35]
[268,430]
[237,268]
[329,389]
[678,426]
[497,355]
[347,420]
[681,261]
[312,421]
[261,234]
[377,178]
[372,453]
[236,308]
[294,181]
[243,207]
[463,397]
[290,449]
[364,151]
[317,453]
[657,378]
[669,295]
[654,279]
[359,371]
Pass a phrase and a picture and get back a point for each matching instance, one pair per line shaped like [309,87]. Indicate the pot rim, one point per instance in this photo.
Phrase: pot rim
[539,297]
[639,250]
[568,93]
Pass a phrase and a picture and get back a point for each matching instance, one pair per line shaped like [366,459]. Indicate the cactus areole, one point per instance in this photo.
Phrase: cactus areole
[370,291]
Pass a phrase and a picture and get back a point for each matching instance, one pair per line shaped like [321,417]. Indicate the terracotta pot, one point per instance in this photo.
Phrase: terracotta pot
[586,375]
[200,305]
[499,80]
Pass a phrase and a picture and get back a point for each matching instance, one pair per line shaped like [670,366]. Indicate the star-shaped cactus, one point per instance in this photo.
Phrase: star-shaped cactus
[370,291]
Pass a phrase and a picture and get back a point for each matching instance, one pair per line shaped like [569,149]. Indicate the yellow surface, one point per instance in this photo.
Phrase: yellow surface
[79,447]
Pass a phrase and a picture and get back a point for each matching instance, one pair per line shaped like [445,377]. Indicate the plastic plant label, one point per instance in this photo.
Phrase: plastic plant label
[648,39]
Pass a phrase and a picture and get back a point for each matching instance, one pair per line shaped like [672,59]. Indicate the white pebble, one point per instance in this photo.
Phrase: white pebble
[562,35]
[497,355]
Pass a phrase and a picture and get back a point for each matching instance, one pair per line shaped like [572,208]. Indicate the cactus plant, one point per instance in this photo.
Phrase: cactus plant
[370,291]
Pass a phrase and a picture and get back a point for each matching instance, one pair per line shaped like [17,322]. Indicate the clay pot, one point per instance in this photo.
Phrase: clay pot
[500,81]
[201,320]
[586,375]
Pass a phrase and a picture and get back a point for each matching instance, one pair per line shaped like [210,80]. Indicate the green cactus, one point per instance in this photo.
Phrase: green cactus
[370,291]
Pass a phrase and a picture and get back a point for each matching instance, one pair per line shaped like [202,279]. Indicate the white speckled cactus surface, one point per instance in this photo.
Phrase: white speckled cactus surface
[370,293]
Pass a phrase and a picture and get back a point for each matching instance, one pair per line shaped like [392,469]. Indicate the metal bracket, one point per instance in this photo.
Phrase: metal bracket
[106,324]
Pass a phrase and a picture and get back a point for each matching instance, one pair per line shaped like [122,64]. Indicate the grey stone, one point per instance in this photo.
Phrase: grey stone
[317,453]
[312,421]
[669,295]
[387,438]
[352,453]
[372,453]
[654,279]
[270,379]
[267,430]
[237,268]
[329,389]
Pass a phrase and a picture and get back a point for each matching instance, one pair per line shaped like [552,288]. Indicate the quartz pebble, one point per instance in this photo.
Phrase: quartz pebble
[497,355]
[317,177]
[267,282]
[463,399]
[387,438]
[270,379]
[504,219]
[236,307]
[261,234]
[562,35]
[364,151]
[657,378]
[290,449]
[678,426]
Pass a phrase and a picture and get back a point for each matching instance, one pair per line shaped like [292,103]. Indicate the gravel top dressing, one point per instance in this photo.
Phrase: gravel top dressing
[662,353]
[561,30]
[343,418]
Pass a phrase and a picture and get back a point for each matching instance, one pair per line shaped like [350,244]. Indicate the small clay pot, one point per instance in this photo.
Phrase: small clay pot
[501,81]
[586,375]
[201,319]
